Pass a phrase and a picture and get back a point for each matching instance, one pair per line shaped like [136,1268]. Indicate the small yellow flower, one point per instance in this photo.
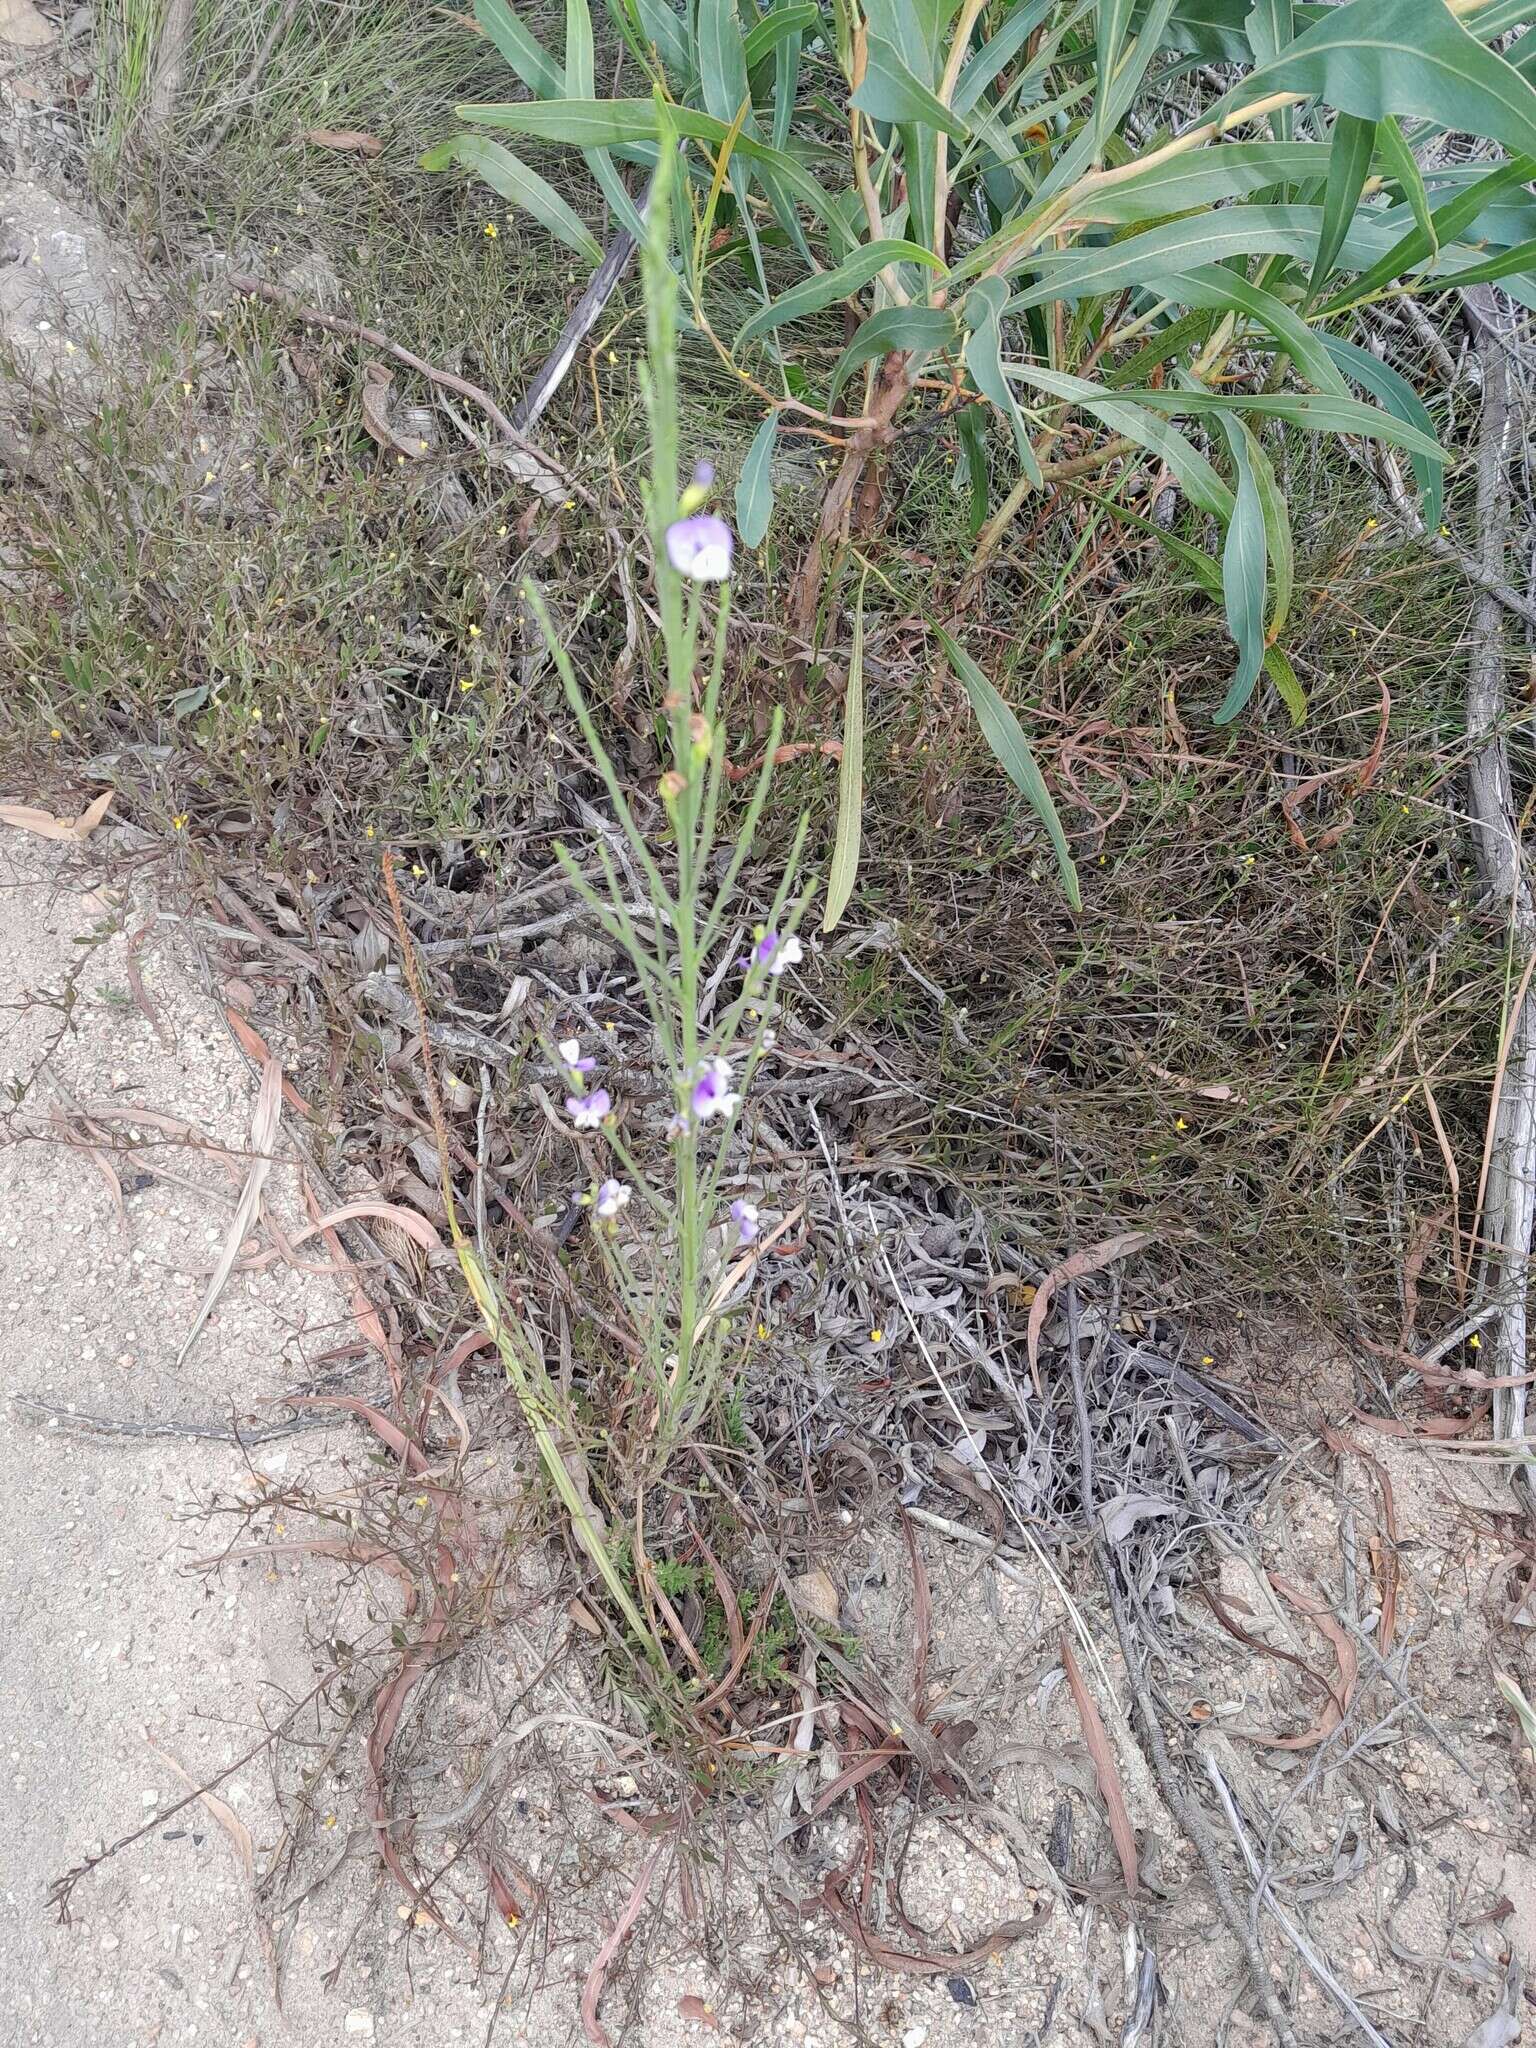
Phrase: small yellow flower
[255,714]
[208,476]
[501,533]
[329,1821]
[179,822]
[613,355]
[421,1500]
[466,682]
[186,388]
[474,632]
[877,1336]
[55,734]
[418,871]
[610,1025]
[762,1332]
[1207,1359]
[1180,1124]
[1370,526]
[1474,1342]
[490,231]
[368,832]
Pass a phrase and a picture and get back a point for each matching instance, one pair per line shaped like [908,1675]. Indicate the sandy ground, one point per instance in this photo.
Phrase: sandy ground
[113,1642]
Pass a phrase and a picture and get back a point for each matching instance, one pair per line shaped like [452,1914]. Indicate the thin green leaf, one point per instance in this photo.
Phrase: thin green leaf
[754,488]
[1319,411]
[1127,413]
[1403,166]
[761,41]
[532,63]
[843,869]
[1278,543]
[890,91]
[1243,572]
[1371,58]
[914,330]
[815,294]
[1516,262]
[1399,397]
[1277,666]
[607,124]
[1231,292]
[1221,172]
[1349,165]
[1114,18]
[722,58]
[984,362]
[661,28]
[999,51]
[1003,733]
[1178,245]
[518,184]
[973,448]
[1448,222]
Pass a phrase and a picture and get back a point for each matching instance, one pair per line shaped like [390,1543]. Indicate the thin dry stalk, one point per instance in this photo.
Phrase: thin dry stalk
[1510,1167]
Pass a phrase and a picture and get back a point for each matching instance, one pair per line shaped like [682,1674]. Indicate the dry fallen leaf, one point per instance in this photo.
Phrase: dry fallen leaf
[344,138]
[23,27]
[691,2007]
[377,385]
[43,824]
[1092,1258]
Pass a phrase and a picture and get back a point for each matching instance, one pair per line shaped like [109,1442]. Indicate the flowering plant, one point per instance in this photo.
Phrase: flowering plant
[709,1003]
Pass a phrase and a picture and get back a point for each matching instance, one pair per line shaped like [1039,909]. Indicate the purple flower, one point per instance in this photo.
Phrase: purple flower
[700,547]
[570,1052]
[744,1216]
[612,1196]
[712,1094]
[775,953]
[587,1111]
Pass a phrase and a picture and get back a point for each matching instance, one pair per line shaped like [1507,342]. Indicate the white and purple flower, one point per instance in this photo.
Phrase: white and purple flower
[570,1051]
[612,1196]
[777,953]
[700,547]
[712,1093]
[587,1111]
[744,1216]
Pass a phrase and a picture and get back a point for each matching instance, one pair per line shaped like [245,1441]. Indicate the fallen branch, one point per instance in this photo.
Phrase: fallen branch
[530,465]
[1509,1196]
